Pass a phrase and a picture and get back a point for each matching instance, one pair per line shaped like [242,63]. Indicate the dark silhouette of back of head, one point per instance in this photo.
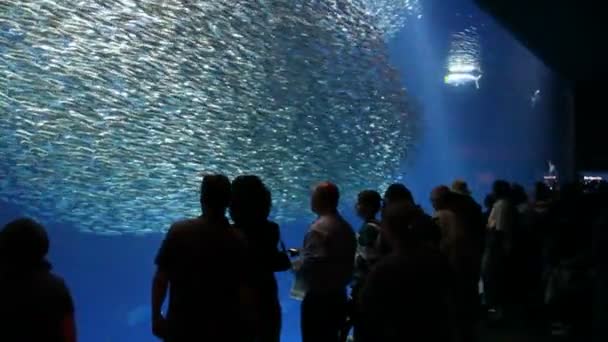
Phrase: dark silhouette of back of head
[489,201]
[251,200]
[36,304]
[405,295]
[215,194]
[440,197]
[325,198]
[397,192]
[518,194]
[371,200]
[24,244]
[407,225]
[501,190]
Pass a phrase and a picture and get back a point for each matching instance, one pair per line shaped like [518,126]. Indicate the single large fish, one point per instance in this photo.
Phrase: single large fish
[461,78]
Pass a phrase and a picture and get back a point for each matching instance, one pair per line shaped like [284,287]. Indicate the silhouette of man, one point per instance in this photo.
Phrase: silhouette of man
[327,268]
[36,304]
[460,222]
[398,192]
[407,295]
[201,263]
[250,207]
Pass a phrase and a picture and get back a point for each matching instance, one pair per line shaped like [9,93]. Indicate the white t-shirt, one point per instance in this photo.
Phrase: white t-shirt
[501,217]
[328,254]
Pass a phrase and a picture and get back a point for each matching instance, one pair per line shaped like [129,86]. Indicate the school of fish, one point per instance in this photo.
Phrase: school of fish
[110,110]
[464,58]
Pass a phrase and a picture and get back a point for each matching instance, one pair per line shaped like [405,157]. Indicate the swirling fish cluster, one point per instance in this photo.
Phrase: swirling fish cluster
[465,50]
[464,58]
[390,16]
[112,109]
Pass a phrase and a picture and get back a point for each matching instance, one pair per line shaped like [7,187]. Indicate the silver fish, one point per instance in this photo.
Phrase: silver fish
[464,58]
[110,110]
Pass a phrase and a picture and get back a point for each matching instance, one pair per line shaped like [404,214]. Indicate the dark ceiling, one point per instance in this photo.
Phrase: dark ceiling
[567,35]
[570,37]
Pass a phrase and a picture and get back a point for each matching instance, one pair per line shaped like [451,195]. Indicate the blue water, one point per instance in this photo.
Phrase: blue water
[500,130]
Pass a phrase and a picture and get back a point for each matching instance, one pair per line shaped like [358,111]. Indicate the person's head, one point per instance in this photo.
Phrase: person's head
[369,203]
[406,225]
[461,187]
[23,244]
[325,198]
[440,197]
[215,194]
[489,201]
[397,192]
[250,201]
[518,194]
[501,190]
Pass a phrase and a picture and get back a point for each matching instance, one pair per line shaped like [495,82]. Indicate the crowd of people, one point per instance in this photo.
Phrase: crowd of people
[404,275]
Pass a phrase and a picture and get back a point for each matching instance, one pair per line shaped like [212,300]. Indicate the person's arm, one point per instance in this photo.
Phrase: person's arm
[66,305]
[313,249]
[271,248]
[312,257]
[68,327]
[492,218]
[160,285]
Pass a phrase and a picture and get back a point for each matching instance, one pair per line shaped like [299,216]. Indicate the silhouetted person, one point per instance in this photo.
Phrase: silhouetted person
[461,224]
[398,192]
[568,293]
[395,193]
[369,203]
[327,262]
[201,263]
[35,304]
[475,221]
[498,247]
[407,295]
[523,247]
[488,203]
[455,244]
[250,207]
[461,187]
[542,221]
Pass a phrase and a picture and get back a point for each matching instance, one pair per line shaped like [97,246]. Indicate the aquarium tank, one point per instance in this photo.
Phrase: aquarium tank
[111,110]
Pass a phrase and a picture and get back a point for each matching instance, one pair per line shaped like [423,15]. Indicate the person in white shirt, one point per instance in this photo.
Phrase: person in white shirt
[500,226]
[326,268]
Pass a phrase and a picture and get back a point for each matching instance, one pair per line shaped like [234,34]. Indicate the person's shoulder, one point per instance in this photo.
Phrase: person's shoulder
[274,230]
[321,224]
[330,223]
[499,205]
[444,215]
[56,279]
[272,225]
[186,225]
[342,222]
[51,282]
